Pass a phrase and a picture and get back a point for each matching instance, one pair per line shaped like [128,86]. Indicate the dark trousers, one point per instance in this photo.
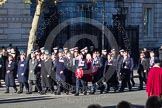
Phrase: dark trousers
[142,78]
[99,80]
[47,85]
[83,83]
[31,82]
[131,78]
[125,79]
[73,82]
[38,81]
[112,82]
[61,86]
[22,84]
[93,87]
[14,87]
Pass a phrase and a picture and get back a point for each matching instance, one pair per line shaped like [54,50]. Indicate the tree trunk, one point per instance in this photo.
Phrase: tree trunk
[2,2]
[32,36]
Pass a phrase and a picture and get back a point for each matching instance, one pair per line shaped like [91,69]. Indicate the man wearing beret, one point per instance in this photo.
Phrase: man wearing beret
[32,72]
[55,50]
[46,69]
[9,77]
[60,71]
[22,73]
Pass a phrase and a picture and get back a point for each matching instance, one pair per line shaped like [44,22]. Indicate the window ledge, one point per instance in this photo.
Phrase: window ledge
[153,39]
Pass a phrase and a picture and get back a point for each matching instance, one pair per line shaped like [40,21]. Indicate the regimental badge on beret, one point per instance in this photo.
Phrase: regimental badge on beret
[32,51]
[60,50]
[22,52]
[46,52]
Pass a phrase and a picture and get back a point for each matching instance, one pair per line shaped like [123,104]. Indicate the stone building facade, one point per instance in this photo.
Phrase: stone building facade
[16,18]
[15,22]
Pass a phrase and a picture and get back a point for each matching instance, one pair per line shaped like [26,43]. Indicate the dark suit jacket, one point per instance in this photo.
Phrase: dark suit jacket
[60,66]
[84,67]
[126,64]
[144,65]
[22,68]
[155,58]
[9,77]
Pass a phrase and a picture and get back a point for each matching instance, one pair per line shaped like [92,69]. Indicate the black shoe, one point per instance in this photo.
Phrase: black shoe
[52,92]
[15,91]
[73,92]
[106,91]
[92,93]
[58,93]
[140,88]
[85,93]
[133,85]
[35,91]
[101,92]
[28,92]
[7,92]
[115,90]
[20,92]
[77,94]
[67,93]
[42,93]
[121,90]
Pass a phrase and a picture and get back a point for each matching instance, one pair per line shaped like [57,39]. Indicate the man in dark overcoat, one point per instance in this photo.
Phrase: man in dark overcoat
[60,71]
[125,72]
[38,70]
[46,68]
[143,66]
[9,77]
[32,72]
[1,67]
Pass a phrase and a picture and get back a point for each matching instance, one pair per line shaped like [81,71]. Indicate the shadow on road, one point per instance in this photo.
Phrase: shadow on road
[26,99]
[134,106]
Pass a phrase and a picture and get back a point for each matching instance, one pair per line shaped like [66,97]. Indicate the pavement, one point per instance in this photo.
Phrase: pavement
[109,100]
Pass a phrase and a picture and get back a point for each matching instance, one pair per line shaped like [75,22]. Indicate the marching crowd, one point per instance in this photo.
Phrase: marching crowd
[50,72]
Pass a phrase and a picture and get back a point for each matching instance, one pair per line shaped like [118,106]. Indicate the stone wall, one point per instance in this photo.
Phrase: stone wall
[136,15]
[15,23]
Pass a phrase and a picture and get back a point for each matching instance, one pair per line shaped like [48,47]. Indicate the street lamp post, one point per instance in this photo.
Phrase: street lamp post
[103,24]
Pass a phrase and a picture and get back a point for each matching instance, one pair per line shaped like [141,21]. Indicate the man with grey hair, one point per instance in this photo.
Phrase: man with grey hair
[46,69]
